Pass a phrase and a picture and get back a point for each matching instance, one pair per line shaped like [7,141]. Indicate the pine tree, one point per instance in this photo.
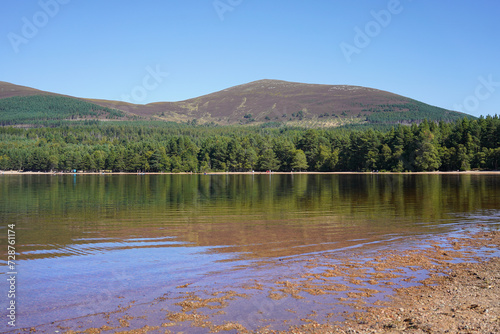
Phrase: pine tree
[299,161]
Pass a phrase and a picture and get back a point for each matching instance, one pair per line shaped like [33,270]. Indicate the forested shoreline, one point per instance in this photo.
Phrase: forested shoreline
[170,147]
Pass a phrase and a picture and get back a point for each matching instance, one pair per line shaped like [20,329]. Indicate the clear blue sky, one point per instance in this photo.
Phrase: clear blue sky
[445,53]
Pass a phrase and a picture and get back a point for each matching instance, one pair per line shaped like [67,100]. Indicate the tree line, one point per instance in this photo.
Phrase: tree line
[170,147]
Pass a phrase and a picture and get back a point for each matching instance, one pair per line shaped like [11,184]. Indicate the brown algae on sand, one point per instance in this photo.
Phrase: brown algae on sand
[431,287]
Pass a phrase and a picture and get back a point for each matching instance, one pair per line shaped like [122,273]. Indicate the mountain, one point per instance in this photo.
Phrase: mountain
[307,104]
[21,105]
[277,101]
[9,90]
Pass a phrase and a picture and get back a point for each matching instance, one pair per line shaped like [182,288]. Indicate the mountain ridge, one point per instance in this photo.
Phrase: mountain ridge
[277,101]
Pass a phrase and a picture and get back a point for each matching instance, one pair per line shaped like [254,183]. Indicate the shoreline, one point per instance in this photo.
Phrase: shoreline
[254,173]
[457,297]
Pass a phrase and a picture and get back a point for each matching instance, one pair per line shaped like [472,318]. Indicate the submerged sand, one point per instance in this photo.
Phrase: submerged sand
[458,297]
[450,284]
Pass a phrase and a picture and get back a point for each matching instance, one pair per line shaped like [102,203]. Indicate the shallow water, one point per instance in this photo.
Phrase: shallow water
[89,243]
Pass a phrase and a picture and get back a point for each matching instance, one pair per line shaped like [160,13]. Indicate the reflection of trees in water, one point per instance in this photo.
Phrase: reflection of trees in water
[236,210]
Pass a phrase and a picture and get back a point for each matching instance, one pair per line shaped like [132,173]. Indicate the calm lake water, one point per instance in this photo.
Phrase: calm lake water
[88,243]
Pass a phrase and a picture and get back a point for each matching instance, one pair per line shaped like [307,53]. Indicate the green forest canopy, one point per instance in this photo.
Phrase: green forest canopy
[170,147]
[37,108]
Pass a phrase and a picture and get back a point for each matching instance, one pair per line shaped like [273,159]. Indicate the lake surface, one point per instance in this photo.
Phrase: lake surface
[90,243]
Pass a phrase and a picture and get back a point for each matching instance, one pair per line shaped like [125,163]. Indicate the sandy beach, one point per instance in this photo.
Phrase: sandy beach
[458,297]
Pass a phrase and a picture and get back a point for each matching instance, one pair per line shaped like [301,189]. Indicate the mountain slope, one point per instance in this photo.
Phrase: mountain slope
[279,101]
[36,109]
[8,89]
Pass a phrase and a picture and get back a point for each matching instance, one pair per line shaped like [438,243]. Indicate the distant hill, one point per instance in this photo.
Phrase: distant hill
[24,105]
[308,104]
[8,90]
[267,101]
[34,109]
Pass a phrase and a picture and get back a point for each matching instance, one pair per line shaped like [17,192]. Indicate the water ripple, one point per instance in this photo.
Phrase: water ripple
[98,246]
